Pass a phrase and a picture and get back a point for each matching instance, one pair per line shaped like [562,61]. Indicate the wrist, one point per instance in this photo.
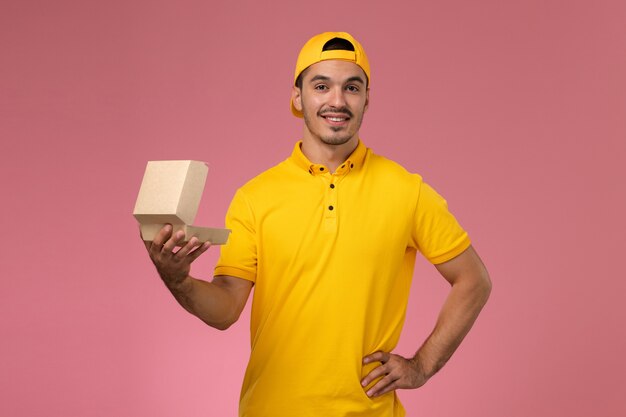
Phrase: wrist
[423,366]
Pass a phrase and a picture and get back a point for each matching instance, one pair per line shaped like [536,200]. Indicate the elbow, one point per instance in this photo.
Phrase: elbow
[223,324]
[485,286]
[478,288]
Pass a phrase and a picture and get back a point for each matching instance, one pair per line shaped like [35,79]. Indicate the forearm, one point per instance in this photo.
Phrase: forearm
[471,287]
[211,303]
[218,303]
[459,312]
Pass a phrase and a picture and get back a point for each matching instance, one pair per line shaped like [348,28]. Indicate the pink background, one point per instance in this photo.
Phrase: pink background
[515,111]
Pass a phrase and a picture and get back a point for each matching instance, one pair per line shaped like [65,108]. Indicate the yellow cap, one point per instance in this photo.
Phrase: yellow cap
[312,52]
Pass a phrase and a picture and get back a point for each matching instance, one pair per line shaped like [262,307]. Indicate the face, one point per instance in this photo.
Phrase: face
[333,99]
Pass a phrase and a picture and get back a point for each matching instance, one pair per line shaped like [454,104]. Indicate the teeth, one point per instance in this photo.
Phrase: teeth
[336,119]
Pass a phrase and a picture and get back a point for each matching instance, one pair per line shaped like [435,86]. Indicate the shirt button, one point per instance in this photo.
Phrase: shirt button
[330,207]
[332,185]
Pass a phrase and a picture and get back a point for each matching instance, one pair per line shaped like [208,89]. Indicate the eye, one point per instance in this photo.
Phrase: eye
[320,87]
[352,88]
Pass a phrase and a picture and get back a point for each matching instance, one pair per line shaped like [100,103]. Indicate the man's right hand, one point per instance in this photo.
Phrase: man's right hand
[174,265]
[218,303]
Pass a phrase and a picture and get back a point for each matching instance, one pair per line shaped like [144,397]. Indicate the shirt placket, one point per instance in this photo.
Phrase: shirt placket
[331,185]
[330,203]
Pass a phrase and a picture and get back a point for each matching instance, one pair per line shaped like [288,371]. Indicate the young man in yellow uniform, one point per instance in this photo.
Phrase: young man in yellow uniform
[328,238]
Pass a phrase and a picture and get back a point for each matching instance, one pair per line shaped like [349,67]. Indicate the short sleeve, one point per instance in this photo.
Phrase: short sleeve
[437,234]
[238,257]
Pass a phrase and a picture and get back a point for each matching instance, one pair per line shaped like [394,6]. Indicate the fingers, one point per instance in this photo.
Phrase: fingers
[192,249]
[175,240]
[394,372]
[380,356]
[184,250]
[385,385]
[166,241]
[156,245]
[375,373]
[199,251]
[388,380]
[383,358]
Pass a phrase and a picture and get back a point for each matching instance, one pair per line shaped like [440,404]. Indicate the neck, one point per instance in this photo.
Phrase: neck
[331,156]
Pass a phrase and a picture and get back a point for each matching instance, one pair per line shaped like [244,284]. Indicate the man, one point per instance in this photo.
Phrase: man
[328,238]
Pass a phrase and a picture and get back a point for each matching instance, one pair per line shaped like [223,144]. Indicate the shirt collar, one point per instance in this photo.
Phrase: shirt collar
[354,162]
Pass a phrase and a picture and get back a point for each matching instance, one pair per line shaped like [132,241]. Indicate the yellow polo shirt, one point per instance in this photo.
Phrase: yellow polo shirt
[331,256]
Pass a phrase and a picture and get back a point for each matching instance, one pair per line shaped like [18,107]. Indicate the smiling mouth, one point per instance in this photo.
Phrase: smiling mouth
[335,119]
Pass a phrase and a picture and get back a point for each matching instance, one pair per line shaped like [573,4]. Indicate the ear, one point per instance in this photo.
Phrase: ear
[296,98]
[367,99]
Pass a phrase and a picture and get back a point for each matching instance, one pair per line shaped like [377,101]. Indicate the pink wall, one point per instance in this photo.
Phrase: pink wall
[515,111]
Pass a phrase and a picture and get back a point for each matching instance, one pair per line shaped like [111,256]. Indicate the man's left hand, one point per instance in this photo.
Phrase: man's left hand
[396,372]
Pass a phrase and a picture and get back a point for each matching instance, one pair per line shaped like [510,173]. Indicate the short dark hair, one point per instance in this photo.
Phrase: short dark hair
[334,44]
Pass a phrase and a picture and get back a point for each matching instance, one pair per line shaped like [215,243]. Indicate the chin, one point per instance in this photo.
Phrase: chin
[335,141]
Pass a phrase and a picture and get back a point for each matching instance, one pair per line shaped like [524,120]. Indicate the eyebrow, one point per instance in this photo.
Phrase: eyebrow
[355,78]
[320,78]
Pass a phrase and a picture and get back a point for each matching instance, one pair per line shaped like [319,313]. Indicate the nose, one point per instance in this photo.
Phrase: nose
[337,99]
